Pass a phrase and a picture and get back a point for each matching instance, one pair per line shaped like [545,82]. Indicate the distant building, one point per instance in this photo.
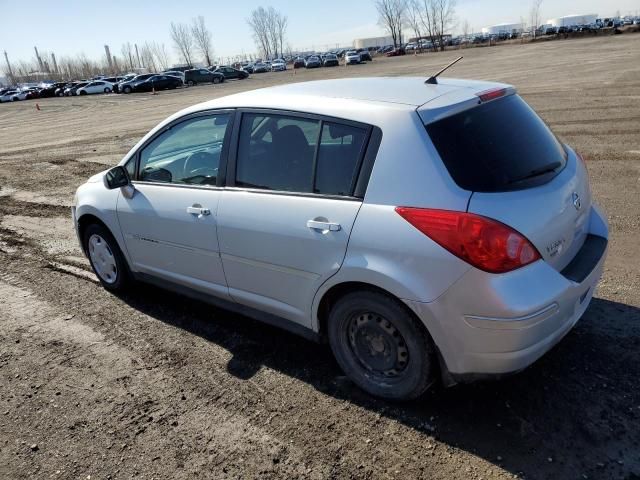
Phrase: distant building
[503,28]
[373,42]
[571,20]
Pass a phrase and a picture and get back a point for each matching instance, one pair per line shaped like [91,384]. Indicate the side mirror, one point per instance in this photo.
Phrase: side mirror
[117,177]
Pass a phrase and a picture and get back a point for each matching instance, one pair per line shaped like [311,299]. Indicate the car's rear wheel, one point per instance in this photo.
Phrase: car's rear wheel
[380,345]
[107,90]
[191,83]
[106,258]
[216,80]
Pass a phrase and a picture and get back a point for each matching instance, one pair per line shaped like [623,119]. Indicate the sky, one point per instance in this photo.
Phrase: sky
[70,27]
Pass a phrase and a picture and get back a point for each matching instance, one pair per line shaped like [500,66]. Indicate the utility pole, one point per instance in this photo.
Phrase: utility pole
[109,61]
[55,64]
[138,55]
[11,77]
[40,64]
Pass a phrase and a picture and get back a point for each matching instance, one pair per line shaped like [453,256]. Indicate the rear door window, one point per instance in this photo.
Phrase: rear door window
[341,148]
[296,154]
[501,145]
[276,152]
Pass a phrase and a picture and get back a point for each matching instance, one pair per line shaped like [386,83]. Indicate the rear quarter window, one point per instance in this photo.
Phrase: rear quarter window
[501,145]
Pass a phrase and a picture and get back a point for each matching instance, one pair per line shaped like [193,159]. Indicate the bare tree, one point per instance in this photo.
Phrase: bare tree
[272,30]
[161,54]
[259,23]
[282,22]
[534,16]
[392,17]
[269,28]
[438,18]
[183,41]
[413,19]
[202,38]
[147,57]
[127,53]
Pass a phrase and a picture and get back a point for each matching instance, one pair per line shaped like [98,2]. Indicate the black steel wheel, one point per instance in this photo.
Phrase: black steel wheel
[381,346]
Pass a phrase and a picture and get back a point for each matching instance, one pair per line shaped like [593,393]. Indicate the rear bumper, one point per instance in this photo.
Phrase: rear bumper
[488,324]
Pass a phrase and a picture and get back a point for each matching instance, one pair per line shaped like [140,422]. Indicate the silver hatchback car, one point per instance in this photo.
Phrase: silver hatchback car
[425,230]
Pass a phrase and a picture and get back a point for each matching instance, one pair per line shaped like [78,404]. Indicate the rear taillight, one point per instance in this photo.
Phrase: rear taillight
[484,243]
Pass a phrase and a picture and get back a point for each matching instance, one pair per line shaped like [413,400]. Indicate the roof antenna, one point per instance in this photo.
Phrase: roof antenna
[433,80]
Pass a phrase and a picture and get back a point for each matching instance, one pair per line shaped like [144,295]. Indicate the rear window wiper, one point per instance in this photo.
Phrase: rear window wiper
[551,167]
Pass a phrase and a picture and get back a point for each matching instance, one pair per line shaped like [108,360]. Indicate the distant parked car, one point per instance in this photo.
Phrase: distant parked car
[352,57]
[98,86]
[365,56]
[298,62]
[396,52]
[50,89]
[72,90]
[202,75]
[127,86]
[12,96]
[230,73]
[330,60]
[174,73]
[278,65]
[157,82]
[313,62]
[260,67]
[31,93]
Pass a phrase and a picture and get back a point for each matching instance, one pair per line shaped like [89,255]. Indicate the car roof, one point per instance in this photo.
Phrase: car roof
[406,91]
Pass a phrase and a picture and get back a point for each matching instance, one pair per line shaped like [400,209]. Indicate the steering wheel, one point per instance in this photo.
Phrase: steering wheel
[198,161]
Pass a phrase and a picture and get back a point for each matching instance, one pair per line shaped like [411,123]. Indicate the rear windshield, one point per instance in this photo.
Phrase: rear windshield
[498,146]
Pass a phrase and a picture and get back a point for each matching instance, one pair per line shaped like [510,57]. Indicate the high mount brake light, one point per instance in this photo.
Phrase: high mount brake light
[491,94]
[483,242]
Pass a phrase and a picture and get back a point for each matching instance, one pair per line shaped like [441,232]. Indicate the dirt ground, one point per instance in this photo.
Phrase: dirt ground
[153,385]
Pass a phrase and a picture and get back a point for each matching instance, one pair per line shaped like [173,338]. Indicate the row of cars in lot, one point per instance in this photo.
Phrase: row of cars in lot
[309,60]
[179,77]
[130,83]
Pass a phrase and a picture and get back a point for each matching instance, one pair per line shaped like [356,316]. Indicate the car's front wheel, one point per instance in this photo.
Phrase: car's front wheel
[82,92]
[380,345]
[126,89]
[191,83]
[107,90]
[106,258]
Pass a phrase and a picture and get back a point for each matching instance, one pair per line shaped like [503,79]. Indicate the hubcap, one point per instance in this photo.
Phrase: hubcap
[377,344]
[102,259]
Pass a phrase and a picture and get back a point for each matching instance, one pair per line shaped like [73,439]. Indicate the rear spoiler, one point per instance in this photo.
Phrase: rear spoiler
[463,99]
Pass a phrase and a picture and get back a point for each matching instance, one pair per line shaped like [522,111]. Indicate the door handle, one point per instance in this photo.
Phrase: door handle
[324,226]
[198,211]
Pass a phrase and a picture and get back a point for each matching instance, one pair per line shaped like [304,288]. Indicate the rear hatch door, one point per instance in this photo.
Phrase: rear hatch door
[519,172]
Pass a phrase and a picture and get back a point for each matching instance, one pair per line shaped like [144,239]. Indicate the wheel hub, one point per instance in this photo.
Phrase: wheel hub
[377,344]
[102,259]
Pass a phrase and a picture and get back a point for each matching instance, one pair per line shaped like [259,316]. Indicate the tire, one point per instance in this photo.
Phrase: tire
[107,90]
[215,80]
[82,92]
[191,83]
[362,326]
[106,258]
[126,89]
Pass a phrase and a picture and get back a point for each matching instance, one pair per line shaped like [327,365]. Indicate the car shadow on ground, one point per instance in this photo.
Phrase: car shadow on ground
[573,414]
